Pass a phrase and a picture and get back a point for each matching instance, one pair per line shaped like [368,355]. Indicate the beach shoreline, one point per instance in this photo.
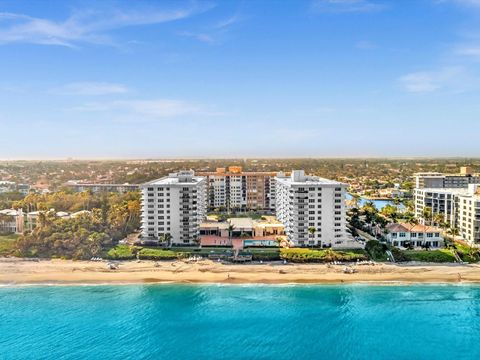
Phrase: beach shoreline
[15,271]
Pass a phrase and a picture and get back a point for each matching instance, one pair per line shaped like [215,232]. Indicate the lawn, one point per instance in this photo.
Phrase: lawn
[438,256]
[7,244]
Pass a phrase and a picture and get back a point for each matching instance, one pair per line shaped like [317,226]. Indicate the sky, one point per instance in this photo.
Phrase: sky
[285,78]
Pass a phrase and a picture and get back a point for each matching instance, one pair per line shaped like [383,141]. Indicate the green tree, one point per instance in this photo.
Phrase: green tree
[427,215]
[167,238]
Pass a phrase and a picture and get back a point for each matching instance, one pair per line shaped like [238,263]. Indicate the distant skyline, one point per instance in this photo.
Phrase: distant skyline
[222,79]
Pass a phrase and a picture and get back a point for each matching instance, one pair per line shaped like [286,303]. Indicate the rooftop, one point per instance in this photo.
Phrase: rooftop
[298,177]
[241,223]
[470,192]
[9,212]
[180,178]
[404,227]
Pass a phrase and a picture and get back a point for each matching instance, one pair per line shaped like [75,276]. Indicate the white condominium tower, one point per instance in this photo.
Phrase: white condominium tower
[174,205]
[468,214]
[305,202]
[460,207]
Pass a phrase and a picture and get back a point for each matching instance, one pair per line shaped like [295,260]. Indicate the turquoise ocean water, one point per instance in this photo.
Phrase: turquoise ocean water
[240,322]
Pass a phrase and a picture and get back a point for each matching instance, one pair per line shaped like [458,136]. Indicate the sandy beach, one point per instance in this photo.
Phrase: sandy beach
[19,271]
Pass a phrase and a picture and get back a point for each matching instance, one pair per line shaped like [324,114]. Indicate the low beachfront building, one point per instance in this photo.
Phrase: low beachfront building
[312,209]
[174,205]
[242,232]
[416,235]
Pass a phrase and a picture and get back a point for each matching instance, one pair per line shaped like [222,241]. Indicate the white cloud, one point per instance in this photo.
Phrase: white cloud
[212,34]
[83,26]
[471,51]
[468,2]
[347,6]
[156,108]
[203,37]
[92,88]
[449,78]
[228,22]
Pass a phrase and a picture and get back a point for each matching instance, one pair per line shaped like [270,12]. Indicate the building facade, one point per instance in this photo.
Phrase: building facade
[174,205]
[120,188]
[437,180]
[460,207]
[417,236]
[439,201]
[304,203]
[11,221]
[468,214]
[235,189]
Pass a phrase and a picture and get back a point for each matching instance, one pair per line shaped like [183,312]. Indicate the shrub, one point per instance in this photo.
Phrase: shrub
[398,254]
[376,250]
[121,252]
[307,255]
[265,255]
[7,244]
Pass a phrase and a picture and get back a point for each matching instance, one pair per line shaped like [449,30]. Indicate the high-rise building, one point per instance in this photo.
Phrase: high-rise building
[460,207]
[438,180]
[468,214]
[312,209]
[174,205]
[235,189]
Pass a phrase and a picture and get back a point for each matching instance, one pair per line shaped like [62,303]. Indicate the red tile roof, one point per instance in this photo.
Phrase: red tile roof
[403,227]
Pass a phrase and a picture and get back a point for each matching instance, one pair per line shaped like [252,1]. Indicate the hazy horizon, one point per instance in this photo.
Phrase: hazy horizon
[241,158]
[223,79]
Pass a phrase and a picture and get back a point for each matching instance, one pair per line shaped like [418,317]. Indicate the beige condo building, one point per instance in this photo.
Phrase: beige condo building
[234,189]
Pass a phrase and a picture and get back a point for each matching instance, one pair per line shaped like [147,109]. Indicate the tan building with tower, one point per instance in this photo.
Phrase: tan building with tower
[234,189]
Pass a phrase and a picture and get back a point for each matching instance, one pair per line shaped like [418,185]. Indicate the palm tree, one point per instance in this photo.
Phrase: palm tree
[438,219]
[426,214]
[473,252]
[167,238]
[278,240]
[370,212]
[312,231]
[230,229]
[355,200]
[453,231]
[410,218]
[196,240]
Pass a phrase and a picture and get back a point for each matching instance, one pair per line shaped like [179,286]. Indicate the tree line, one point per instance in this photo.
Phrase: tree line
[110,217]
